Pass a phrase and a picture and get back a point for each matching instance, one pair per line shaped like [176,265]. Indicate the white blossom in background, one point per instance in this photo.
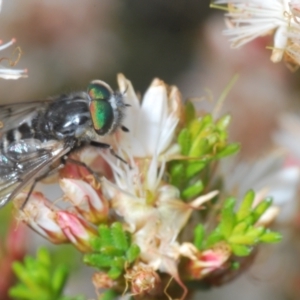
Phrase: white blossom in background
[250,19]
[269,176]
[288,136]
[6,72]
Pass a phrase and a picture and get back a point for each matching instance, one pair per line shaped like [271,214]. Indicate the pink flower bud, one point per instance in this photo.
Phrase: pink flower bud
[77,230]
[208,261]
[88,201]
[40,215]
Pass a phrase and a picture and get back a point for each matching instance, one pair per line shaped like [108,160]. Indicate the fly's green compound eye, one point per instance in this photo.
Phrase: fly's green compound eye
[99,90]
[100,108]
[102,116]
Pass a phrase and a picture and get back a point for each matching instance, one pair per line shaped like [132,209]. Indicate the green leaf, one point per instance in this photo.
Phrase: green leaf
[22,273]
[241,250]
[194,167]
[119,237]
[190,112]
[43,257]
[96,243]
[115,272]
[270,237]
[256,231]
[240,228]
[199,236]
[243,240]
[20,292]
[105,235]
[59,279]
[214,238]
[206,122]
[111,251]
[249,219]
[98,260]
[223,122]
[200,146]
[246,206]
[194,129]
[228,150]
[177,173]
[118,262]
[193,191]
[261,208]
[39,278]
[132,253]
[116,250]
[227,217]
[184,140]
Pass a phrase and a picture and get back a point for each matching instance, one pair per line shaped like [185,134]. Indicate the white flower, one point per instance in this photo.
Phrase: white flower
[151,209]
[151,122]
[249,19]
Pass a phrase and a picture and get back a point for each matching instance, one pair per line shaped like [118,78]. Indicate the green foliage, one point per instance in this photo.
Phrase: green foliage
[202,141]
[65,253]
[40,279]
[238,228]
[112,250]
[199,234]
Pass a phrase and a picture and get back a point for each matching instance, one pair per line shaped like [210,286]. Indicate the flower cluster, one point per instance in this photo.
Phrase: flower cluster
[250,19]
[159,213]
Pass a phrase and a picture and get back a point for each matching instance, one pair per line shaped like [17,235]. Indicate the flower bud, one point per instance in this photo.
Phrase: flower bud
[77,230]
[144,280]
[208,261]
[89,202]
[40,215]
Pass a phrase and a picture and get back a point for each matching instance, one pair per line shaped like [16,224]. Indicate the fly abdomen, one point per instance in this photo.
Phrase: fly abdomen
[24,131]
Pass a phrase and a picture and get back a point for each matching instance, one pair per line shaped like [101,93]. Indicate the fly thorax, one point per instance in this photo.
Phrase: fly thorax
[68,118]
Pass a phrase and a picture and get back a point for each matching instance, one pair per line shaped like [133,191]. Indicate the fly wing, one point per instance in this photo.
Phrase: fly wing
[24,162]
[14,115]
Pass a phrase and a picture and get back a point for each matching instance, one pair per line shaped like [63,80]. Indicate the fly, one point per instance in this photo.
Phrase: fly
[35,135]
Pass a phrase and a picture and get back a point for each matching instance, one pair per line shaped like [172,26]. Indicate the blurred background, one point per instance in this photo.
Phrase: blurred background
[68,43]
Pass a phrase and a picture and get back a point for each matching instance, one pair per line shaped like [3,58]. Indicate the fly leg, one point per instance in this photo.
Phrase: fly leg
[53,171]
[107,146]
[36,180]
[81,164]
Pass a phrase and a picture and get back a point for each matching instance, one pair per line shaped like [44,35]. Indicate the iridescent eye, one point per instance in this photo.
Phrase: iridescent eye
[100,107]
[102,116]
[99,90]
